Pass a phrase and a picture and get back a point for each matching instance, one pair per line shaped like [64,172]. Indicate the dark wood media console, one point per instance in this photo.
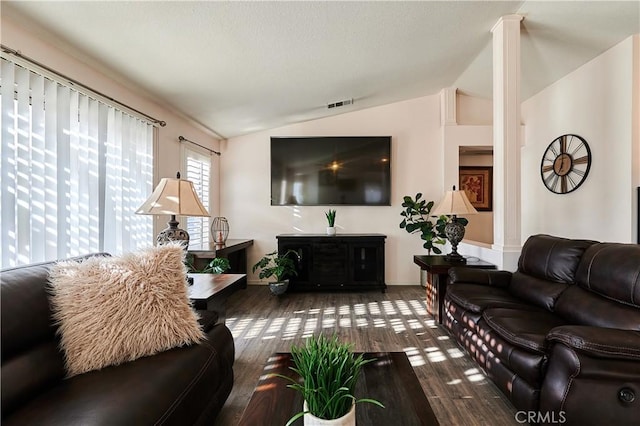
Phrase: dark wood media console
[340,262]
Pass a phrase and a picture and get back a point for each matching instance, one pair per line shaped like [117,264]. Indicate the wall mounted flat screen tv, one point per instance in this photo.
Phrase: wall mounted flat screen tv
[313,171]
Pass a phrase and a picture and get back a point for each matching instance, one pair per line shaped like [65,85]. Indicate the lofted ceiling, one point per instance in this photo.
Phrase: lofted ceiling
[242,67]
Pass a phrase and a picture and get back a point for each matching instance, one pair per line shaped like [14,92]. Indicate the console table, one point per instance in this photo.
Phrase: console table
[340,262]
[234,250]
[437,268]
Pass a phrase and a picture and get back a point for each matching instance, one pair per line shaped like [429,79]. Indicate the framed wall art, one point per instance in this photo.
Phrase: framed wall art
[477,182]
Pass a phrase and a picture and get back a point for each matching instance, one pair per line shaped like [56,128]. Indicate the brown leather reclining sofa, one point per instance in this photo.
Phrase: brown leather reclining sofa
[561,335]
[181,386]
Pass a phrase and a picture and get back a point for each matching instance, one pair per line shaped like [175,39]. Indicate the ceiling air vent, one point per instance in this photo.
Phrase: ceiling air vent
[340,103]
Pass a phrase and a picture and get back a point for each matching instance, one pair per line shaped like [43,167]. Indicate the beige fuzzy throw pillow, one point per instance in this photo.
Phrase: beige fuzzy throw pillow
[111,310]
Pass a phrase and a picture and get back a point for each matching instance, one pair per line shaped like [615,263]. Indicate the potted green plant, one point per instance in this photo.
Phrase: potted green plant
[331,221]
[329,371]
[279,266]
[218,265]
[416,219]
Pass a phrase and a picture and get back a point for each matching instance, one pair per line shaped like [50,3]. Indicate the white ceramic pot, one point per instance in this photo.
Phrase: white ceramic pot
[348,419]
[331,230]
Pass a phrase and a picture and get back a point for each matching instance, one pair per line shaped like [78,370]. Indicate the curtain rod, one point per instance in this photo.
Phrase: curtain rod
[183,139]
[77,83]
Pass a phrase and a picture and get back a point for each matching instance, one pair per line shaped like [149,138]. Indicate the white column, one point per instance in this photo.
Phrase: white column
[448,107]
[506,139]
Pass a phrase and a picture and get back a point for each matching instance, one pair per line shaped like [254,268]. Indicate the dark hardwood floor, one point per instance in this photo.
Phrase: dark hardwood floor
[397,320]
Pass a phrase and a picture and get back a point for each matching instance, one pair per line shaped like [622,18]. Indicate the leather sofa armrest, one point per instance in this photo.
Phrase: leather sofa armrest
[460,274]
[598,341]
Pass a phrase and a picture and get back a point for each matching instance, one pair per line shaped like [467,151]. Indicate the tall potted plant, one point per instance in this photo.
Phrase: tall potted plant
[416,219]
[278,266]
[329,372]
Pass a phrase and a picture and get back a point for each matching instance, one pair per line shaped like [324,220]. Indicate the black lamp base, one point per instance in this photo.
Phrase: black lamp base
[173,234]
[454,231]
[455,257]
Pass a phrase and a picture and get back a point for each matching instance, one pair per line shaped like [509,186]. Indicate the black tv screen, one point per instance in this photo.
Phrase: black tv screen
[349,170]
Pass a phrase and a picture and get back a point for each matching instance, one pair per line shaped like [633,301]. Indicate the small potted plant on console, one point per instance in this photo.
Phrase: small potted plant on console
[331,221]
[279,266]
[329,372]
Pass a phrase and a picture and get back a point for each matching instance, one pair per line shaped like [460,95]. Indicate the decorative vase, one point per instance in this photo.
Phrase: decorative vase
[331,230]
[219,230]
[279,287]
[348,419]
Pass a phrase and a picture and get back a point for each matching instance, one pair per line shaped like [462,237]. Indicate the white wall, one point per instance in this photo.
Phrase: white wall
[596,102]
[416,167]
[52,55]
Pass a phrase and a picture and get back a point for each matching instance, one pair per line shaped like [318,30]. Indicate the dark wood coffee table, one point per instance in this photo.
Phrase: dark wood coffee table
[210,291]
[390,379]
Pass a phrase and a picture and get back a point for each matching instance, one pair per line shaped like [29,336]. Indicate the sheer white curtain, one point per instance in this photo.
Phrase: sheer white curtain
[73,172]
[197,164]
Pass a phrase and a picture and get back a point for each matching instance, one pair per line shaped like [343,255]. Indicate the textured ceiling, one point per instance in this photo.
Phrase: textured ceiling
[241,67]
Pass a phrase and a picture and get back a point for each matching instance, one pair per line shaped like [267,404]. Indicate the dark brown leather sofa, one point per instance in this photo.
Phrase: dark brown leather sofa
[182,386]
[561,335]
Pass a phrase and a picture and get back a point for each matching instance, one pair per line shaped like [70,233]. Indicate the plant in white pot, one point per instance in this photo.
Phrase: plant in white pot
[329,372]
[279,266]
[331,221]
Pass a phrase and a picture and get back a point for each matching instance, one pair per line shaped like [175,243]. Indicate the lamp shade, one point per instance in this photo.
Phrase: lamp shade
[454,203]
[174,197]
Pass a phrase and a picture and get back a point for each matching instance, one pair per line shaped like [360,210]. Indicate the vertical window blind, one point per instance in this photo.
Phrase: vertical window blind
[73,172]
[197,164]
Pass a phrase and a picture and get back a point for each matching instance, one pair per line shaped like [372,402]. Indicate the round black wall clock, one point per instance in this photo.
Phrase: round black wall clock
[565,164]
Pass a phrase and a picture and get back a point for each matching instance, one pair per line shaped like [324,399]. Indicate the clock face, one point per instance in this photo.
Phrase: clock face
[565,164]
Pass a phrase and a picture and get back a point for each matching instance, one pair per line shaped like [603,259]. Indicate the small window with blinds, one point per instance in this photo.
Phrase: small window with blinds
[197,167]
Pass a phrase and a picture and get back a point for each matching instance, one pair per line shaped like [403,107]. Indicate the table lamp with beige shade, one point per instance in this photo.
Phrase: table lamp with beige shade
[175,197]
[454,203]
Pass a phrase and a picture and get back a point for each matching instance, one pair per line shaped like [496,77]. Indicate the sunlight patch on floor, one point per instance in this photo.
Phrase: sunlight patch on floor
[388,308]
[455,353]
[399,315]
[415,358]
[474,375]
[256,329]
[360,309]
[435,354]
[397,325]
[276,325]
[415,324]
[374,308]
[241,325]
[328,322]
[362,322]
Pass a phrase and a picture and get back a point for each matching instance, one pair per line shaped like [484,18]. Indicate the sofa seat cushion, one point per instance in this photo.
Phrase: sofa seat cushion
[168,388]
[467,319]
[477,298]
[526,364]
[526,329]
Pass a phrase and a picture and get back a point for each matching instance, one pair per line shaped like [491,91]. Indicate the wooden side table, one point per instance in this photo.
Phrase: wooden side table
[437,268]
[234,250]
